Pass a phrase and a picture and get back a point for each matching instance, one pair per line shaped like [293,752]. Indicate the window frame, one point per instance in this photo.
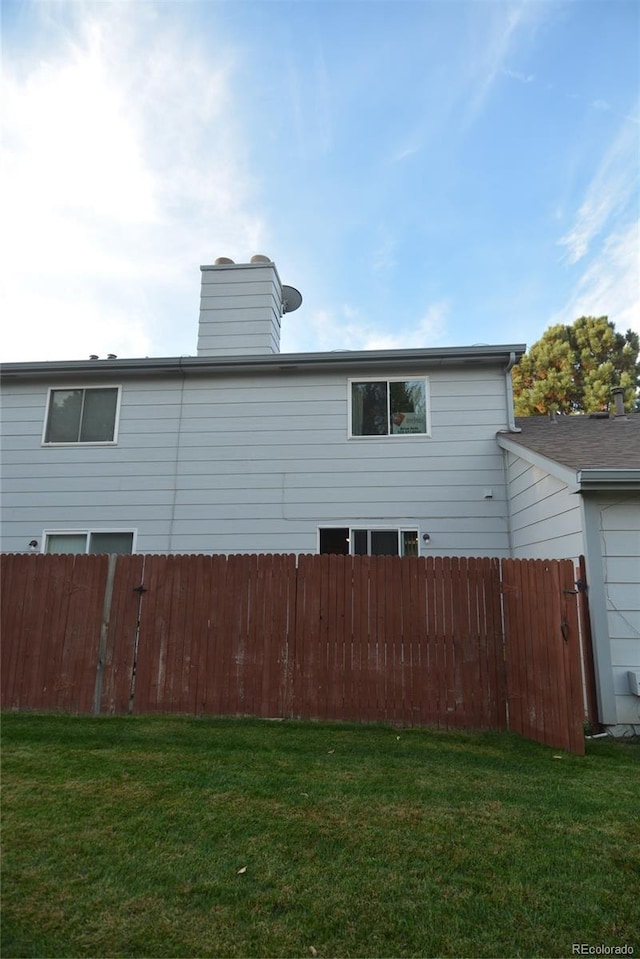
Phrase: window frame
[378,527]
[88,532]
[403,378]
[75,443]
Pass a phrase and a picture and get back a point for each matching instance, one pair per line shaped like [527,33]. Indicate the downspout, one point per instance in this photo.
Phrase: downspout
[512,428]
[511,422]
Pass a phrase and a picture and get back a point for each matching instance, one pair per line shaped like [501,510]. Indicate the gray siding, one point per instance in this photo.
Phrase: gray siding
[546,518]
[258,463]
[619,527]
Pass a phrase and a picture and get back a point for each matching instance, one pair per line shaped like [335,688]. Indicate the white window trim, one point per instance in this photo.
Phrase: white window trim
[374,378]
[84,386]
[87,531]
[378,527]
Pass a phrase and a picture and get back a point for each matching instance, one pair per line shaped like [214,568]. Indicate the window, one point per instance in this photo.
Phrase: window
[87,415]
[396,407]
[89,541]
[369,542]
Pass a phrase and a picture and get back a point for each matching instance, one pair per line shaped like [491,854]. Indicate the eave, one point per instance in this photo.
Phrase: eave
[591,479]
[348,360]
[606,479]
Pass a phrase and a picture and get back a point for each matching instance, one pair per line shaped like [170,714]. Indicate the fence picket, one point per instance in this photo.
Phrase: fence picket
[410,641]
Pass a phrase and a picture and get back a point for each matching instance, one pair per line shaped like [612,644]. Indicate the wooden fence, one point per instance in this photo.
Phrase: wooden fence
[478,643]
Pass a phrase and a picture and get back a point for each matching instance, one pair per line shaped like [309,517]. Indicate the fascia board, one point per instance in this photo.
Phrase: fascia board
[564,473]
[269,363]
[605,479]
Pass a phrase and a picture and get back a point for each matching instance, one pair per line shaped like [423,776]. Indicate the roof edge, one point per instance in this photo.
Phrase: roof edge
[339,359]
[604,478]
[561,471]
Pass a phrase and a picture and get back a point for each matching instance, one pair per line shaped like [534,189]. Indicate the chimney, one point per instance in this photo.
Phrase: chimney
[241,306]
[618,396]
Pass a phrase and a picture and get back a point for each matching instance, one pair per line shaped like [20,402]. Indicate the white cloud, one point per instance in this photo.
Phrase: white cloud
[503,26]
[610,284]
[346,329]
[383,257]
[521,77]
[611,190]
[124,167]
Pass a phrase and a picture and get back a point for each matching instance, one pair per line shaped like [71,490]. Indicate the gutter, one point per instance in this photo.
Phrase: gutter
[606,479]
[271,363]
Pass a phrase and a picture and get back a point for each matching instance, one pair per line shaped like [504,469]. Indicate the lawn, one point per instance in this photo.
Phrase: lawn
[170,837]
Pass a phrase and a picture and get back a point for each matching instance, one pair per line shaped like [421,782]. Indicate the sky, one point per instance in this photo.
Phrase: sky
[427,174]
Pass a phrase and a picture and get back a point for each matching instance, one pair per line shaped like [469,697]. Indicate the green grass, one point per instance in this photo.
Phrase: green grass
[170,836]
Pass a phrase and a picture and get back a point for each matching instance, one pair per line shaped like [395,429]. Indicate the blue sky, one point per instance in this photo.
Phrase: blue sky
[425,173]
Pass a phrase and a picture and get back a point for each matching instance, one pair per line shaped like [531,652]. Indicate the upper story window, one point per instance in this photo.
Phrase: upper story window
[86,415]
[390,407]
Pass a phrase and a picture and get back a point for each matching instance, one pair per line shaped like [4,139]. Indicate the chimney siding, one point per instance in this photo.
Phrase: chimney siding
[240,310]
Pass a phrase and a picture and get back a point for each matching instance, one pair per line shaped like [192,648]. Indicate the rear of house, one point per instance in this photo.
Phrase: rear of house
[242,449]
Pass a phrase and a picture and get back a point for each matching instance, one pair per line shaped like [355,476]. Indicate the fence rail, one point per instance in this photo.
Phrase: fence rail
[478,643]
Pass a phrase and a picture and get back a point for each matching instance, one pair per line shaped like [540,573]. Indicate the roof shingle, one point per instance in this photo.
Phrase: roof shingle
[581,442]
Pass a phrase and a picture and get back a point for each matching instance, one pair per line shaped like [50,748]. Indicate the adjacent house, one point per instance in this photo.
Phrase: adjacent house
[242,448]
[573,488]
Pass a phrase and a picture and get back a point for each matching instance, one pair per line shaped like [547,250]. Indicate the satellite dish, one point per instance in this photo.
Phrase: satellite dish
[291,299]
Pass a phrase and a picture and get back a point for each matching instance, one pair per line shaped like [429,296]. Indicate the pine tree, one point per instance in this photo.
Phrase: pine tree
[572,369]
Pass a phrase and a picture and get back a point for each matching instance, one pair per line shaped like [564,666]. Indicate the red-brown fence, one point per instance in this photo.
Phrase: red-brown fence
[478,643]
[544,673]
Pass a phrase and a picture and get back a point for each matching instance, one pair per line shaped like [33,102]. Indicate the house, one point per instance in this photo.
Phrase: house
[244,449]
[573,488]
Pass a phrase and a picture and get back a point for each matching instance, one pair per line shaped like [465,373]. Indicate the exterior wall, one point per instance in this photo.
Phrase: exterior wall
[546,518]
[550,522]
[613,526]
[258,463]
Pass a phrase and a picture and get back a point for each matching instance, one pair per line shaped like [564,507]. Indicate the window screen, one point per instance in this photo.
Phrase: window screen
[389,407]
[89,542]
[82,416]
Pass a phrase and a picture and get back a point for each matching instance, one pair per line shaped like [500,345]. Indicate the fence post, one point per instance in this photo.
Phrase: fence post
[104,629]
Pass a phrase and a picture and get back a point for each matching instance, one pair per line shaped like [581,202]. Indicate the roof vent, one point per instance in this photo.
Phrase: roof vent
[260,258]
[618,396]
[222,261]
[112,356]
[94,356]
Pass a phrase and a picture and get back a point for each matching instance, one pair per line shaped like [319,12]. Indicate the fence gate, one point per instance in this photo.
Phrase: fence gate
[542,650]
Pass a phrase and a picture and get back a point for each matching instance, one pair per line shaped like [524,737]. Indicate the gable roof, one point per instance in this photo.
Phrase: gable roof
[594,449]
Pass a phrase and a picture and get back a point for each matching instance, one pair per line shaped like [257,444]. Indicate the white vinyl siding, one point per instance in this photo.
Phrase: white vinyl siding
[257,463]
[619,521]
[546,518]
